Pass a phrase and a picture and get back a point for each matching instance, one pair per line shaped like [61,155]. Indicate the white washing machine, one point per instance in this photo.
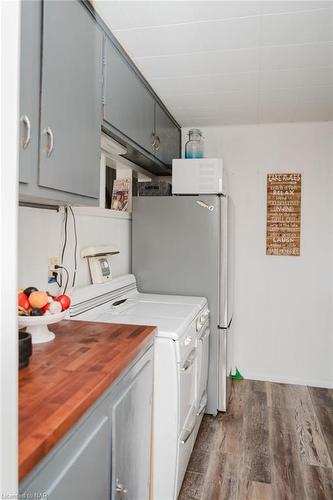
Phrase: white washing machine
[180,366]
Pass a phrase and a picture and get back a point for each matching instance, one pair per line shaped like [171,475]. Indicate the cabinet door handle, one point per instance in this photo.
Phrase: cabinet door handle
[120,488]
[25,120]
[153,136]
[49,148]
[157,143]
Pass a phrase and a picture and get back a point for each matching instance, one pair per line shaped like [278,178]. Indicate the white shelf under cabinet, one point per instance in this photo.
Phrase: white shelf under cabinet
[102,212]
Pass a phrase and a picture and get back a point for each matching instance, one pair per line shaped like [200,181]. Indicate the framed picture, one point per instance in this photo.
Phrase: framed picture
[120,195]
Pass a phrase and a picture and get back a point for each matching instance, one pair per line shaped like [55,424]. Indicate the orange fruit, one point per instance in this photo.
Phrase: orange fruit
[37,300]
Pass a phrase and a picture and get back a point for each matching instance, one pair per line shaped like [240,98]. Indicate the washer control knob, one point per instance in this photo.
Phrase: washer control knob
[204,317]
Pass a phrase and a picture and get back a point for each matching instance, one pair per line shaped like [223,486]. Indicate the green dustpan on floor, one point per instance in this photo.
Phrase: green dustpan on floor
[237,375]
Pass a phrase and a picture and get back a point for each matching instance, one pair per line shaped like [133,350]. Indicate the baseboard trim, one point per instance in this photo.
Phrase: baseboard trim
[288,380]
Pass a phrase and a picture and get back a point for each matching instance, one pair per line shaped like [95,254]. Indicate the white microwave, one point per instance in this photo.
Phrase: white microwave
[198,176]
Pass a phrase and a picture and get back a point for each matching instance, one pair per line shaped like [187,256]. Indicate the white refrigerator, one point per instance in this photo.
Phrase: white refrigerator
[182,244]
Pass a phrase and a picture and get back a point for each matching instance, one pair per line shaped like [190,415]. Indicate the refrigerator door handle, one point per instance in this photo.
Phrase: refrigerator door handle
[203,204]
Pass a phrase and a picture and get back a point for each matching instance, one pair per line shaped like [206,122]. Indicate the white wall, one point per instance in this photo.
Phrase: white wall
[283,305]
[10,47]
[41,236]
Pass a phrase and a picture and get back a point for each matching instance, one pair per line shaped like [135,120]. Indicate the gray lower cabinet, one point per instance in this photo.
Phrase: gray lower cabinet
[106,455]
[128,105]
[130,439]
[167,135]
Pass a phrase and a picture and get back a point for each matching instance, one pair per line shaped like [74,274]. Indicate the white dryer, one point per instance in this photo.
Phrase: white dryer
[180,366]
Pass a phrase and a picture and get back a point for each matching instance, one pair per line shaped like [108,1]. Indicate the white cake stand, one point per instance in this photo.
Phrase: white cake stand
[37,326]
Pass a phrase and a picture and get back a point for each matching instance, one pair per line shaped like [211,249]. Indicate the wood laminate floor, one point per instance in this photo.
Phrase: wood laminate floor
[274,443]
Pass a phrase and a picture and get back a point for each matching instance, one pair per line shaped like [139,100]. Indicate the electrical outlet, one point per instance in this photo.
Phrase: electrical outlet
[53,261]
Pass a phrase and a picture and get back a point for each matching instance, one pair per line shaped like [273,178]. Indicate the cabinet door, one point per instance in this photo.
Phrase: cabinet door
[131,429]
[81,468]
[31,21]
[128,106]
[168,136]
[71,100]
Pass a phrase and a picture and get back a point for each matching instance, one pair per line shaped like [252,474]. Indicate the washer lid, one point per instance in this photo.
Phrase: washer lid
[119,302]
[171,318]
[170,328]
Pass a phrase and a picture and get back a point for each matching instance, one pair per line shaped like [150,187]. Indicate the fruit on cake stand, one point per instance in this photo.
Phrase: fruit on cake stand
[38,309]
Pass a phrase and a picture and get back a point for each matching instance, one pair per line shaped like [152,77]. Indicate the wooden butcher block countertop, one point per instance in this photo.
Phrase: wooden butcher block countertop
[66,376]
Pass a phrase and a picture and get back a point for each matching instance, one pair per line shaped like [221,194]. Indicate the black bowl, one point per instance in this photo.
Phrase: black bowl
[25,348]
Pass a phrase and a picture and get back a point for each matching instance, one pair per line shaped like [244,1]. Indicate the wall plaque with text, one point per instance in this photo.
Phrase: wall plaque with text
[283,226]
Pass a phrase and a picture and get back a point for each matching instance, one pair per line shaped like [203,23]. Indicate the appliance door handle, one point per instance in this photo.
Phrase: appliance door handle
[203,405]
[201,409]
[189,361]
[205,335]
[188,434]
[203,204]
[119,302]
[25,120]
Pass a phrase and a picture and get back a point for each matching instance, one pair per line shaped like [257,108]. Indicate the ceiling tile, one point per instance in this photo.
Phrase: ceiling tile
[319,94]
[205,63]
[285,97]
[244,97]
[275,7]
[209,83]
[313,111]
[296,77]
[296,56]
[209,10]
[164,40]
[277,110]
[232,115]
[138,14]
[300,27]
[230,34]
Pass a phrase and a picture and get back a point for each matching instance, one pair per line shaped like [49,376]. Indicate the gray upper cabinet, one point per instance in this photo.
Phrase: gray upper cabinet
[71,99]
[167,137]
[128,105]
[29,88]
